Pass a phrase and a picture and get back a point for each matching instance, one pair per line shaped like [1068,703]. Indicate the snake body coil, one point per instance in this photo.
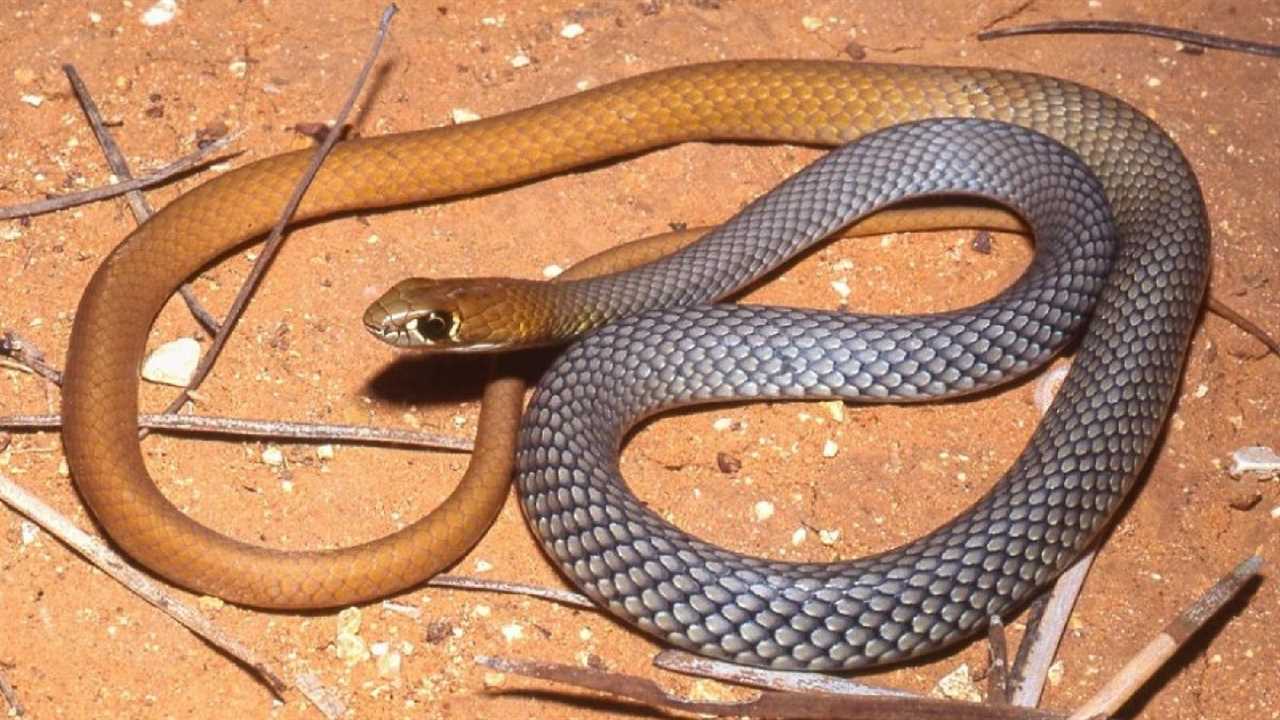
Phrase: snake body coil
[1079,464]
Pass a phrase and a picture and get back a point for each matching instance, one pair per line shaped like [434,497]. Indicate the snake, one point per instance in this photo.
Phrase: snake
[1149,185]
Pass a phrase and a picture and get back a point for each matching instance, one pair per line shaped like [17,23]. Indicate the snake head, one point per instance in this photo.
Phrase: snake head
[455,314]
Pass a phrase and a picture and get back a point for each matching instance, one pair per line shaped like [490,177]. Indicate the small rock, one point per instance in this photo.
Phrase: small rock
[160,13]
[29,531]
[33,100]
[494,679]
[810,23]
[830,449]
[727,463]
[349,620]
[389,665]
[1255,462]
[1056,672]
[512,632]
[324,452]
[520,60]
[272,456]
[238,68]
[1246,500]
[571,31]
[981,242]
[722,424]
[552,271]
[841,287]
[209,602]
[350,648]
[828,537]
[461,115]
[584,634]
[855,51]
[835,409]
[1275,513]
[483,566]
[173,363]
[762,510]
[958,685]
[799,536]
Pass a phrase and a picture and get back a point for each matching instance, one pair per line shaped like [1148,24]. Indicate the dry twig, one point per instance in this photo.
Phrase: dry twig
[1044,632]
[1138,670]
[276,236]
[28,356]
[998,678]
[274,429]
[769,703]
[195,160]
[788,680]
[96,552]
[11,697]
[564,597]
[1191,37]
[115,159]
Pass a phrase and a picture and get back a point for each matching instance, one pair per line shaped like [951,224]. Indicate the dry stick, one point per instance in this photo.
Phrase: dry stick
[564,597]
[13,345]
[96,552]
[195,160]
[323,698]
[141,210]
[1143,665]
[1220,42]
[1031,668]
[789,680]
[769,703]
[11,697]
[1234,316]
[998,678]
[277,233]
[273,429]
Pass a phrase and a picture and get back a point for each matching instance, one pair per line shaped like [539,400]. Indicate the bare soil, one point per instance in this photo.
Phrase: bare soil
[75,644]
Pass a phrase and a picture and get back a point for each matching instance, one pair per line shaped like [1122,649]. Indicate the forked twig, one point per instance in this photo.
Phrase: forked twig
[276,235]
[195,160]
[115,159]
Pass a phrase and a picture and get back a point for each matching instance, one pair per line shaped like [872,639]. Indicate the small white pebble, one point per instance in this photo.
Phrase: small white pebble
[958,685]
[811,23]
[30,531]
[209,602]
[389,665]
[1201,390]
[835,409]
[379,649]
[272,456]
[842,265]
[94,17]
[1153,82]
[173,363]
[552,271]
[722,424]
[799,536]
[828,537]
[64,470]
[459,421]
[324,452]
[841,287]
[1275,513]
[238,68]
[160,13]
[830,448]
[483,566]
[286,486]
[494,679]
[1056,672]
[482,611]
[512,632]
[11,233]
[350,648]
[571,31]
[461,115]
[582,85]
[33,100]
[762,510]
[498,21]
[520,60]
[584,634]
[349,620]
[1256,462]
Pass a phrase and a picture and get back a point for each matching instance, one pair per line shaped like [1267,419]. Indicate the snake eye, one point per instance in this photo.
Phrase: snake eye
[436,326]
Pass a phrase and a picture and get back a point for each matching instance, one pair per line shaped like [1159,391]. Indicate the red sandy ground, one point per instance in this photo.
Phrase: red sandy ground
[75,644]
